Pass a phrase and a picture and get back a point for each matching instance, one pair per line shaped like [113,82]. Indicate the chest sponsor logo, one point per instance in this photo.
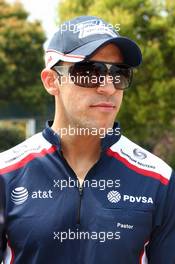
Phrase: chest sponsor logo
[42,194]
[140,156]
[20,194]
[115,197]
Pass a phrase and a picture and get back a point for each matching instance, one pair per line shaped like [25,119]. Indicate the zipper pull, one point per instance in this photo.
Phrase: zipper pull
[80,188]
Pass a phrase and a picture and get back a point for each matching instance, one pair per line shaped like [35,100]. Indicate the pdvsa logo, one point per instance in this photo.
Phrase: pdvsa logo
[137,199]
[115,197]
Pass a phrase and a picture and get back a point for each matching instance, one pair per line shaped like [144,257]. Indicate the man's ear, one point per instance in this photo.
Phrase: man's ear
[50,81]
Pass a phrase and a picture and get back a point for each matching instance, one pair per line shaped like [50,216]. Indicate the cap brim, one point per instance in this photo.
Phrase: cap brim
[130,50]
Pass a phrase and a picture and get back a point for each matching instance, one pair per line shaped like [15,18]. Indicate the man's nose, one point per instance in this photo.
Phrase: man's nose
[106,86]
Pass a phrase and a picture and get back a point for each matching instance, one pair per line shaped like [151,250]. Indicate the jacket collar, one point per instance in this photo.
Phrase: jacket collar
[106,142]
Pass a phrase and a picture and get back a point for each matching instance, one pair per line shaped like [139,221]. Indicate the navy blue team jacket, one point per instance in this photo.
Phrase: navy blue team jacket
[124,213]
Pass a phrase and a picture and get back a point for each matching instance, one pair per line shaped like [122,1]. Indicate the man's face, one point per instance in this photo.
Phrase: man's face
[79,106]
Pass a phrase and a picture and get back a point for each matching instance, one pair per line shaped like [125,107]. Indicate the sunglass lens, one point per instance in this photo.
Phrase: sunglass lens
[87,74]
[122,76]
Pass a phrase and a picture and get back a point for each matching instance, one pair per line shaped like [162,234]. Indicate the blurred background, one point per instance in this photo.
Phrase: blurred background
[147,115]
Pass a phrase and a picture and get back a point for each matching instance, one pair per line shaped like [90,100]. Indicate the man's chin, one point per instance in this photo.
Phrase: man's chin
[103,124]
[93,124]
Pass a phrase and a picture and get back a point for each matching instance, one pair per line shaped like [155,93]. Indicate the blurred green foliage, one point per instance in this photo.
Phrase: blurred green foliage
[10,137]
[147,115]
[21,61]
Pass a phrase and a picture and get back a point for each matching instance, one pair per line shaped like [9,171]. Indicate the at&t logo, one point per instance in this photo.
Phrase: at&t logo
[19,195]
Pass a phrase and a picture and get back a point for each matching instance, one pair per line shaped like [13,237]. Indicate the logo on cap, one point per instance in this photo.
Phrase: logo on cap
[92,27]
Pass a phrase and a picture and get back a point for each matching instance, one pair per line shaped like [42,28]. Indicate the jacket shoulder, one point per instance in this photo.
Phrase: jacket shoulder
[140,160]
[23,152]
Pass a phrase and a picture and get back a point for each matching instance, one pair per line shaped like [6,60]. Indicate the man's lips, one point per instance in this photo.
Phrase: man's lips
[108,105]
[105,107]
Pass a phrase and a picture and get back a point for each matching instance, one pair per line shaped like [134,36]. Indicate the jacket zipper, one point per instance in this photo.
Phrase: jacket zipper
[80,188]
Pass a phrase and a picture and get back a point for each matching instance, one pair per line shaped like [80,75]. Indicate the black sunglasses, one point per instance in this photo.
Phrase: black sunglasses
[92,74]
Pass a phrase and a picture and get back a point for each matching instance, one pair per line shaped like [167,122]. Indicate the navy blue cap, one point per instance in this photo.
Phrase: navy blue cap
[80,38]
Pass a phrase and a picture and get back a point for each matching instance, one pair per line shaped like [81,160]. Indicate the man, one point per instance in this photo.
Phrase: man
[80,192]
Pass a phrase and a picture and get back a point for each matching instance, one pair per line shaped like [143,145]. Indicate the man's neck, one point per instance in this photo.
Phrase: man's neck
[77,148]
[81,153]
